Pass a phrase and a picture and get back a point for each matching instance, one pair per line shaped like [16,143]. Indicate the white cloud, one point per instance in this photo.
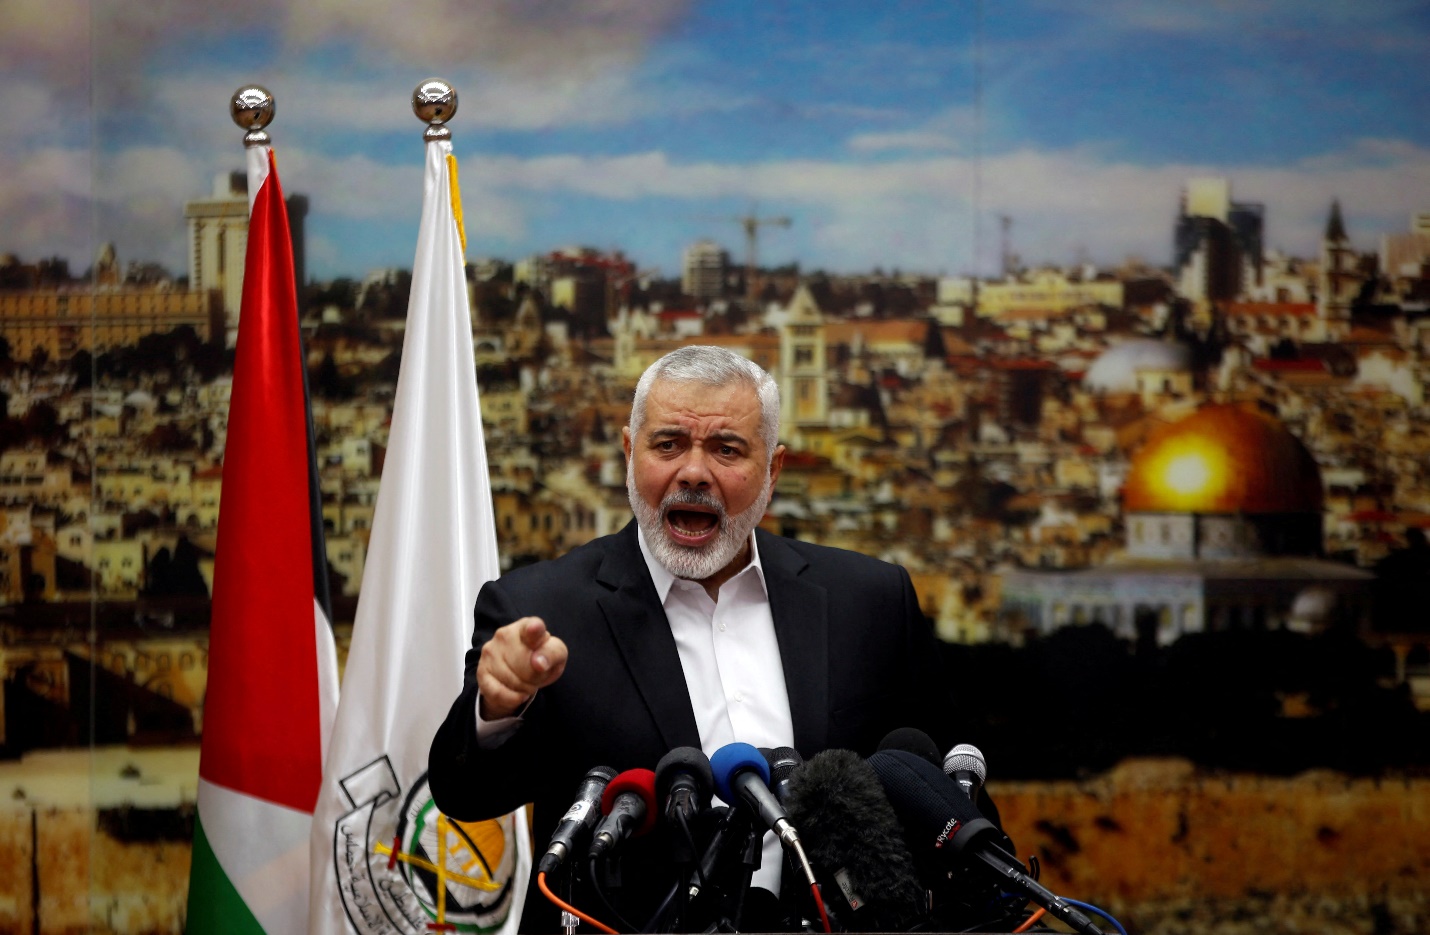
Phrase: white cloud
[953,131]
[45,200]
[527,38]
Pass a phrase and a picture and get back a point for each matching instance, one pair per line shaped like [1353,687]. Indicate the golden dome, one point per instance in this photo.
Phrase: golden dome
[1223,459]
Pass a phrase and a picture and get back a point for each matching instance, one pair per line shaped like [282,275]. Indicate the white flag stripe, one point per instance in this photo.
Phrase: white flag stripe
[263,849]
[432,547]
[256,161]
[327,676]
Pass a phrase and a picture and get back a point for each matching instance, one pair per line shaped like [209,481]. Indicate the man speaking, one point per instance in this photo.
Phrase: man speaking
[689,627]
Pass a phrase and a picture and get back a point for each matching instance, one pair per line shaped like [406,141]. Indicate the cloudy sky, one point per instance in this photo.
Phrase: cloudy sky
[893,134]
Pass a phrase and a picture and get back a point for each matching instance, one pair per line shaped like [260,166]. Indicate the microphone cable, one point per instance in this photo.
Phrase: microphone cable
[819,904]
[1032,920]
[605,900]
[567,907]
[1091,908]
[680,884]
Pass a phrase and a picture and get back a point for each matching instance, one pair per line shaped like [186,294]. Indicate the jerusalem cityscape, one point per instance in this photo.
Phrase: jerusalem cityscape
[983,433]
[1234,444]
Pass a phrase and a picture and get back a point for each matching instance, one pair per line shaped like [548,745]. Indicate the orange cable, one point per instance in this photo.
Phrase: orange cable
[1031,919]
[546,891]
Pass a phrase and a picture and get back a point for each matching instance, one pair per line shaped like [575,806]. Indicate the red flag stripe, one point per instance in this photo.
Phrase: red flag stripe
[261,713]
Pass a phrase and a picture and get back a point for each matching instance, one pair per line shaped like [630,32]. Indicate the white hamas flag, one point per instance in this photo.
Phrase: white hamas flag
[384,859]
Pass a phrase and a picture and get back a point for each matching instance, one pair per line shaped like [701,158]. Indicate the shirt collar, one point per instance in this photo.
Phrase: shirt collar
[664,580]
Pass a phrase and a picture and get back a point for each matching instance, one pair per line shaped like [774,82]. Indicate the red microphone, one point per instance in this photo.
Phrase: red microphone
[629,806]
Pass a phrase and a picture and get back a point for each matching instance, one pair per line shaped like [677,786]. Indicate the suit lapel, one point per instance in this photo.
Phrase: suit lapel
[642,635]
[801,615]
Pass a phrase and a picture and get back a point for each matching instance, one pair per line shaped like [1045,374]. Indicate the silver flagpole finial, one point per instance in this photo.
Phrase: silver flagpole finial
[435,102]
[252,109]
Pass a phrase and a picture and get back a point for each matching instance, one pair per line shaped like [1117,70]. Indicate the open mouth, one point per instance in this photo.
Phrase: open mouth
[691,528]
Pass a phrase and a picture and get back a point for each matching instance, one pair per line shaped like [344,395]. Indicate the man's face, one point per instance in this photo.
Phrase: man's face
[698,475]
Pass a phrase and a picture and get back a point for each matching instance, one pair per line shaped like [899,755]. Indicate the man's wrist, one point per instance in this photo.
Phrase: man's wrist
[494,731]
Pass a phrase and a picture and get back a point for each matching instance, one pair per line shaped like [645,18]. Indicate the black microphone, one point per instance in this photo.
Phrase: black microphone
[914,741]
[628,804]
[578,821]
[855,842]
[683,781]
[783,762]
[937,816]
[965,766]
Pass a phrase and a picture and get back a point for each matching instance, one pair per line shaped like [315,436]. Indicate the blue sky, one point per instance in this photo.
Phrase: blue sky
[894,134]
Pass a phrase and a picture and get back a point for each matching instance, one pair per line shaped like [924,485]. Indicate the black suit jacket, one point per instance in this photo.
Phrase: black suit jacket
[859,660]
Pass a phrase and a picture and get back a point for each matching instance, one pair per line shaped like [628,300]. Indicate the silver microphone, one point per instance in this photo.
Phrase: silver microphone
[964,764]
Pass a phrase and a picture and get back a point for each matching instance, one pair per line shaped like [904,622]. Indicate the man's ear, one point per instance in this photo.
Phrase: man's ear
[626,440]
[777,462]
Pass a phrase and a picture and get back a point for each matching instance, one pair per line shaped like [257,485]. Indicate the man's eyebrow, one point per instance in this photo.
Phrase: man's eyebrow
[678,431]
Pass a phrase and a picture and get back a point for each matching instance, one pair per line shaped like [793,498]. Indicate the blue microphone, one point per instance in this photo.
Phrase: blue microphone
[742,777]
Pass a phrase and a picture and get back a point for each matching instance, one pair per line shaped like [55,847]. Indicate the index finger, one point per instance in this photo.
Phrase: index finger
[533,632]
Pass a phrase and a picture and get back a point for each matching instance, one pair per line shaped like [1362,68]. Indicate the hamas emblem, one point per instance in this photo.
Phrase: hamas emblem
[404,867]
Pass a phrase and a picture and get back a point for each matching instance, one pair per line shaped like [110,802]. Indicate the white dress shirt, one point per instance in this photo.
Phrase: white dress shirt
[732,668]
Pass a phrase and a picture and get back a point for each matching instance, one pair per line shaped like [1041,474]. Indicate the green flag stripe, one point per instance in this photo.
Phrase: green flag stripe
[215,908]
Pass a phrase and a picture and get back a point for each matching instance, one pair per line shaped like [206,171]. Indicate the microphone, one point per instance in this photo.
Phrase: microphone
[742,777]
[935,811]
[965,766]
[683,781]
[628,804]
[914,741]
[579,819]
[783,763]
[853,837]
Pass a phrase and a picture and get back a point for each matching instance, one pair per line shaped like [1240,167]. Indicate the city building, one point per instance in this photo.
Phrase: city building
[1340,278]
[63,320]
[804,370]
[703,270]
[1048,292]
[218,243]
[1405,263]
[1217,243]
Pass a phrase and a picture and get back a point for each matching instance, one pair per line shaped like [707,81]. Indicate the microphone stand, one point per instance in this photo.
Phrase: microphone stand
[732,906]
[569,921]
[671,912]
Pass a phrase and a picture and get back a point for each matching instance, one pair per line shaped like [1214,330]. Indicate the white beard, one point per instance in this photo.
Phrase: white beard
[695,562]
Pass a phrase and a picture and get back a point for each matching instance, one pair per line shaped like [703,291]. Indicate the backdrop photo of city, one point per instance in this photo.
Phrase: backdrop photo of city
[1149,430]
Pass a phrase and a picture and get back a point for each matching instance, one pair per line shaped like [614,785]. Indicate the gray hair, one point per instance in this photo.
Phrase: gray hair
[713,366]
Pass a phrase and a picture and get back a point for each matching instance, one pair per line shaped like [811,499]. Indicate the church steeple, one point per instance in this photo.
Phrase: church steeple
[1335,227]
[1340,279]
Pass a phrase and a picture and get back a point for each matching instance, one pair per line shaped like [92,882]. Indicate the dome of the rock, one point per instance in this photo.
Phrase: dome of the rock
[1223,459]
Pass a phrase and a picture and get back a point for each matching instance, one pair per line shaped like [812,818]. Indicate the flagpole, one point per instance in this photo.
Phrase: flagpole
[272,676]
[434,101]
[252,109]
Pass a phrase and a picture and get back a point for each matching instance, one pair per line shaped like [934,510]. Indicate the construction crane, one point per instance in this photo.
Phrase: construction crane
[752,223]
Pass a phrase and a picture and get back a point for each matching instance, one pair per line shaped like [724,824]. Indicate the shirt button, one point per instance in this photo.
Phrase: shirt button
[722,628]
[739,697]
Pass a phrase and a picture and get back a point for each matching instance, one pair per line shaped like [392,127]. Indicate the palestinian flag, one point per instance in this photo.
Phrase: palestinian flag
[272,677]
